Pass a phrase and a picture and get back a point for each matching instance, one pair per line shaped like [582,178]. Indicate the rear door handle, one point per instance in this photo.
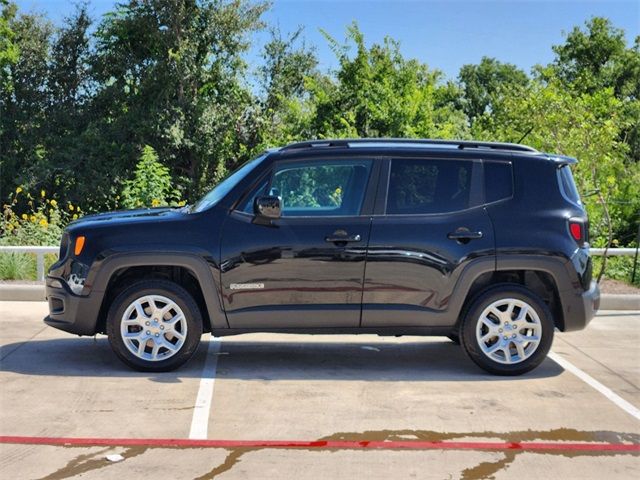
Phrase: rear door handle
[343,238]
[464,235]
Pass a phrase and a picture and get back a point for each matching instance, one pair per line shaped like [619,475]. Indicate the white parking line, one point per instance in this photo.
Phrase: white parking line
[588,379]
[200,420]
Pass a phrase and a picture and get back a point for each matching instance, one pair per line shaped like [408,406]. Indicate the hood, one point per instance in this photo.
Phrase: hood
[127,216]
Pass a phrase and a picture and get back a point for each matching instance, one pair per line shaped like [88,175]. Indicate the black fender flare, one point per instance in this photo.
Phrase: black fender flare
[567,284]
[202,270]
[556,266]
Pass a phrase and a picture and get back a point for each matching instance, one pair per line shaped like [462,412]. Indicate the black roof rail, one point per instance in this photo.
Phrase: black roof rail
[460,144]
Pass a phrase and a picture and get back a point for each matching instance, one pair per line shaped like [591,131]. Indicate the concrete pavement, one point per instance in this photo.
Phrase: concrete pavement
[326,388]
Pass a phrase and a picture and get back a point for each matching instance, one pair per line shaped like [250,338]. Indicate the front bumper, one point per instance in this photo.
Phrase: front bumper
[69,312]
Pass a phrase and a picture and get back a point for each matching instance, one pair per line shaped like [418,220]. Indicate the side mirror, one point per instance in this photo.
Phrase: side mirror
[268,207]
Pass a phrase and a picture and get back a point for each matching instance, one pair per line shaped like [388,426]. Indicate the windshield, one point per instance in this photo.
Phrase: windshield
[226,185]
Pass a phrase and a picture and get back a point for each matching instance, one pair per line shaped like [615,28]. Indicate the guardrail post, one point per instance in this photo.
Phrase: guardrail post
[40,266]
[635,257]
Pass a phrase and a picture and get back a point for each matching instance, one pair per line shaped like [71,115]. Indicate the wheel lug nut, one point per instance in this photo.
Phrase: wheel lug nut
[500,330]
[505,337]
[161,327]
[147,323]
[157,334]
[148,332]
[513,336]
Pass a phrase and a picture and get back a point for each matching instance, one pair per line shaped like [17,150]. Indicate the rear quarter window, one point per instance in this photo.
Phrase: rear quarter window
[498,181]
[567,185]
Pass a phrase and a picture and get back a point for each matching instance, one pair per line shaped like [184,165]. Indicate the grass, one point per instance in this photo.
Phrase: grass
[22,266]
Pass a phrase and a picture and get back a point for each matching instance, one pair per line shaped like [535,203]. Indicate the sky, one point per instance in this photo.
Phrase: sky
[443,34]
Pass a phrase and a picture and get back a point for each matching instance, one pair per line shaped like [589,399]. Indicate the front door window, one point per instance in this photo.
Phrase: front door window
[321,189]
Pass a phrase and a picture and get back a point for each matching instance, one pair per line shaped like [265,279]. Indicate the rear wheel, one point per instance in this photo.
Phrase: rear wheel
[507,330]
[154,325]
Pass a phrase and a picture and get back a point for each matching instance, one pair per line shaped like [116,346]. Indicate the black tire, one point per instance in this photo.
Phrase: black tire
[471,316]
[181,298]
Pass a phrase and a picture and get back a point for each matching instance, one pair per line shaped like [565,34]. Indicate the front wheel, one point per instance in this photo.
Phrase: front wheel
[154,326]
[507,330]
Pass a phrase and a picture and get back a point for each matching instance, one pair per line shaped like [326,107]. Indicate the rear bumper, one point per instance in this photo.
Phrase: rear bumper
[69,312]
[580,310]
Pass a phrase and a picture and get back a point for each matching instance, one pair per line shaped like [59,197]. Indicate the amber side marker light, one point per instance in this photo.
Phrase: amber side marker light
[79,245]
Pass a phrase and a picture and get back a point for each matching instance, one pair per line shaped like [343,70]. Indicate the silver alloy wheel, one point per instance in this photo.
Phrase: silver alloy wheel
[509,331]
[153,328]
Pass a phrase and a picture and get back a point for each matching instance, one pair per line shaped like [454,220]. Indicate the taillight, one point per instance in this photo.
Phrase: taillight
[577,230]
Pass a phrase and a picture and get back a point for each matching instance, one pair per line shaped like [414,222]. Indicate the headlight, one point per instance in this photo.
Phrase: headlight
[77,277]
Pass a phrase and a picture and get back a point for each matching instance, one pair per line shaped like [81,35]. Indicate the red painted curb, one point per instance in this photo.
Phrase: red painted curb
[321,444]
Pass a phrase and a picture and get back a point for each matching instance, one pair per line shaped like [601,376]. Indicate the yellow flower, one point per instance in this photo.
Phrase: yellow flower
[71,207]
[54,203]
[182,203]
[75,216]
[42,193]
[24,216]
[155,202]
[43,222]
[18,190]
[33,218]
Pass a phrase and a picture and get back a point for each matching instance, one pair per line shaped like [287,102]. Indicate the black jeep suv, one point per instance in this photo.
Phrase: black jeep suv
[483,242]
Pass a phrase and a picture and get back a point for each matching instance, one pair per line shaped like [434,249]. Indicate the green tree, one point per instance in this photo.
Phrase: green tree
[482,83]
[69,86]
[9,50]
[43,110]
[284,103]
[379,93]
[171,74]
[24,101]
[151,185]
[586,126]
[597,57]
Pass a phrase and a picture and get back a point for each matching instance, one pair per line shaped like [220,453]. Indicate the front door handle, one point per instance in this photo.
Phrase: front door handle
[343,238]
[464,235]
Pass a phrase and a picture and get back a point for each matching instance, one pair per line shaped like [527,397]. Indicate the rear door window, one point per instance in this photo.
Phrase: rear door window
[425,186]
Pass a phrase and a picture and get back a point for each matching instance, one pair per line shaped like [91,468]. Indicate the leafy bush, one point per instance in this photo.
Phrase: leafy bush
[151,185]
[618,268]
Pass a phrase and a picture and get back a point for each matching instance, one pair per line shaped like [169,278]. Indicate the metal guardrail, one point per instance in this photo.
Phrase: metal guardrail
[41,251]
[613,252]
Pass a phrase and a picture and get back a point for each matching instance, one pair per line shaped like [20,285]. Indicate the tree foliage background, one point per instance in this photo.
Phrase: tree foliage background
[79,102]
